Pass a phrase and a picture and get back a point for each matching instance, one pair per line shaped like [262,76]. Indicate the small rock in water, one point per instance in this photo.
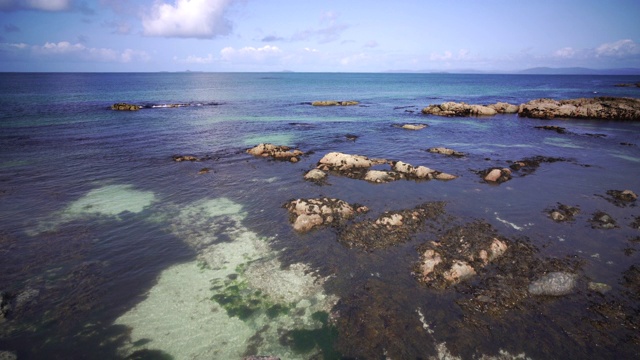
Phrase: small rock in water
[8,355]
[497,175]
[599,287]
[414,126]
[554,284]
[315,175]
[602,220]
[563,213]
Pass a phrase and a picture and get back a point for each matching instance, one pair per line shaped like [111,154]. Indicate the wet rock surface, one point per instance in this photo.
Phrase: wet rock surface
[563,213]
[607,108]
[496,175]
[390,228]
[180,158]
[602,220]
[459,110]
[558,129]
[306,214]
[278,152]
[414,126]
[315,175]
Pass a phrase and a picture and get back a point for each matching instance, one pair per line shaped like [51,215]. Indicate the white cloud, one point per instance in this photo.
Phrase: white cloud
[447,55]
[41,5]
[192,59]
[203,19]
[311,50]
[621,48]
[565,53]
[250,54]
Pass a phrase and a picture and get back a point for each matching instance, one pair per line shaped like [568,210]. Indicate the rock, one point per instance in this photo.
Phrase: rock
[315,175]
[339,161]
[351,137]
[496,175]
[379,176]
[558,129]
[607,108]
[390,228]
[563,213]
[459,254]
[5,304]
[423,172]
[179,158]
[414,126]
[504,108]
[458,109]
[602,220]
[204,171]
[260,357]
[305,214]
[125,107]
[459,270]
[403,167]
[445,176]
[622,198]
[8,355]
[445,151]
[306,222]
[334,103]
[598,287]
[278,152]
[554,284]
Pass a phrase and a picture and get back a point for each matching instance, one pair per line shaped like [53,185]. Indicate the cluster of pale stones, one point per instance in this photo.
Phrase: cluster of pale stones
[310,213]
[280,152]
[340,162]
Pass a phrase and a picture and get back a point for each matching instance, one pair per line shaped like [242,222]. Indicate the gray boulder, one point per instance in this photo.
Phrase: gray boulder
[554,284]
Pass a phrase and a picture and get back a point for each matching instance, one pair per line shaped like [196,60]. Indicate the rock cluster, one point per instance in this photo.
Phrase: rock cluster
[390,228]
[306,214]
[602,220]
[125,107]
[524,167]
[279,152]
[358,167]
[593,108]
[622,198]
[459,254]
[496,175]
[180,158]
[563,213]
[334,103]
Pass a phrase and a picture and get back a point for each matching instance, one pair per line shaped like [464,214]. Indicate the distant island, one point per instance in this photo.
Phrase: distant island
[532,71]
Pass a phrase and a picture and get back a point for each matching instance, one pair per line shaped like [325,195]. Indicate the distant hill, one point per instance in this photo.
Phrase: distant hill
[580,71]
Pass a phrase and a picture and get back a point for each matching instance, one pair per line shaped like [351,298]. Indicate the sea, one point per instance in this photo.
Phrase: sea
[111,249]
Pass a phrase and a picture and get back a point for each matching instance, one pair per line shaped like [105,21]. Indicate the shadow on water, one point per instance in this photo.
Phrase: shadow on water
[66,286]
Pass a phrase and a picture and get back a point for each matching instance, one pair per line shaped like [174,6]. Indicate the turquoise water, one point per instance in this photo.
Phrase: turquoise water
[111,249]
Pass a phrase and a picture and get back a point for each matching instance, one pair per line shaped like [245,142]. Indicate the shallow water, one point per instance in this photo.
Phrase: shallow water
[112,248]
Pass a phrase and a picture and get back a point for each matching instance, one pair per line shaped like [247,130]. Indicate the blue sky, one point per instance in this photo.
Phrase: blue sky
[300,35]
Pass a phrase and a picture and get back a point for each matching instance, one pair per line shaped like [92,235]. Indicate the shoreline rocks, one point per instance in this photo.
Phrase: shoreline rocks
[306,214]
[445,151]
[563,213]
[458,110]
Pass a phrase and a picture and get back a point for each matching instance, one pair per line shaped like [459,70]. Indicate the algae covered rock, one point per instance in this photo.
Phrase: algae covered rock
[445,151]
[554,284]
[125,107]
[334,103]
[606,108]
[459,110]
[306,214]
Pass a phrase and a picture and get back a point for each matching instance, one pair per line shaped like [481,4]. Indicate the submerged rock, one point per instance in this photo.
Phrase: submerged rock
[414,126]
[278,152]
[563,213]
[306,214]
[607,108]
[180,158]
[390,228]
[496,175]
[599,287]
[554,284]
[315,175]
[460,253]
[622,198]
[334,103]
[558,129]
[125,107]
[602,220]
[445,151]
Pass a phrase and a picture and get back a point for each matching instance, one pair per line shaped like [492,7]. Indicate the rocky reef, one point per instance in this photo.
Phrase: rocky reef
[358,167]
[306,214]
[334,103]
[606,108]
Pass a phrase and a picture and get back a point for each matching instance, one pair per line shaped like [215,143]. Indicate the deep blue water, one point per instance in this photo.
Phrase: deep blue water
[77,271]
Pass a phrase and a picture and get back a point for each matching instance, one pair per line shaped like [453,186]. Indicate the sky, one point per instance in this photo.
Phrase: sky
[317,36]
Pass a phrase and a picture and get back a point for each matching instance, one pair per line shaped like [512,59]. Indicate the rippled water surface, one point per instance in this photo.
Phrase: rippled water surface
[110,249]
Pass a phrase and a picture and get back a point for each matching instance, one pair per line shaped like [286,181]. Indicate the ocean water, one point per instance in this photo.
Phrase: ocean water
[110,249]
